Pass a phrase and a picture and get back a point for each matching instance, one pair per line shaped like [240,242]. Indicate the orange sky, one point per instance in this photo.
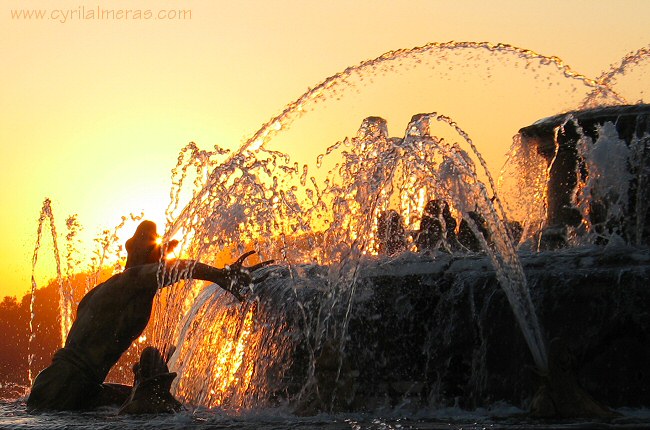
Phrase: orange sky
[94,112]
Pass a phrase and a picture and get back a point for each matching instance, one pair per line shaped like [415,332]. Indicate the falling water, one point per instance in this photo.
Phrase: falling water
[604,183]
[46,214]
[338,83]
[73,263]
[318,218]
[212,209]
[285,204]
[522,186]
[608,78]
[375,174]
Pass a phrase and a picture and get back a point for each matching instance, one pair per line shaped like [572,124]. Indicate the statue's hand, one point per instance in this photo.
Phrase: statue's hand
[239,276]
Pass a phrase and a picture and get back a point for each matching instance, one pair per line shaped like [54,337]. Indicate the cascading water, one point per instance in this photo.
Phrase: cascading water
[331,219]
[338,83]
[257,198]
[376,172]
[597,174]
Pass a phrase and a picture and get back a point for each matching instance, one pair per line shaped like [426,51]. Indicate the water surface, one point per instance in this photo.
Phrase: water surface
[13,415]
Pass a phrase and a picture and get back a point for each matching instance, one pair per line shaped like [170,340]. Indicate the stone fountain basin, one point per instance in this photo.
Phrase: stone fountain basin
[437,330]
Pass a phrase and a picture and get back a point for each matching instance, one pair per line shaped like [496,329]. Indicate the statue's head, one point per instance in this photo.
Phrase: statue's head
[432,208]
[146,245]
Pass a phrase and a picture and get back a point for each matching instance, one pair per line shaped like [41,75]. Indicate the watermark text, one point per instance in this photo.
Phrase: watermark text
[99,13]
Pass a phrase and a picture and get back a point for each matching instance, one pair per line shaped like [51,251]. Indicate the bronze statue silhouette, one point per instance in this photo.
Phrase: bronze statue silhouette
[437,228]
[115,313]
[466,236]
[390,233]
[151,385]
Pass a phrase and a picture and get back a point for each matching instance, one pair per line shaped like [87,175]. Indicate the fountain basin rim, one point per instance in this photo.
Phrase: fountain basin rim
[605,257]
[545,126]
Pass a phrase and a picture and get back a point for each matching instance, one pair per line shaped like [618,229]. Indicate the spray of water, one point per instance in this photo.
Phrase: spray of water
[603,183]
[45,215]
[336,84]
[608,78]
[258,198]
[522,186]
[73,263]
[334,224]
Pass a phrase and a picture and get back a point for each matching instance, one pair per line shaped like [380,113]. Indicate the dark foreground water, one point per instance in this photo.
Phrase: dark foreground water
[14,416]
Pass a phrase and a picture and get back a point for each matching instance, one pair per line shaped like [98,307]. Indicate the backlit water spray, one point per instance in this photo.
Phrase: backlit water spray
[258,196]
[46,216]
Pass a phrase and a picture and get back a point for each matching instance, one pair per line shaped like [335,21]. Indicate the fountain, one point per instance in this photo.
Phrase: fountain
[422,329]
[359,316]
[326,325]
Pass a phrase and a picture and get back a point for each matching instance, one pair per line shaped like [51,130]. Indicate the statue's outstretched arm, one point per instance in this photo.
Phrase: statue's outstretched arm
[231,278]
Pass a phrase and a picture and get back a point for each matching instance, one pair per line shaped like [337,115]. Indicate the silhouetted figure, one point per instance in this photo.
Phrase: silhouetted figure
[144,246]
[437,228]
[115,313]
[151,385]
[390,233]
[466,236]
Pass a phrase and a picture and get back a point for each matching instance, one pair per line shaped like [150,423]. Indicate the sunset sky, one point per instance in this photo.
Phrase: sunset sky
[94,112]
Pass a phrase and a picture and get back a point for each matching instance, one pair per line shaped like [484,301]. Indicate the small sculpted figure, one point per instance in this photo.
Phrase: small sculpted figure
[115,313]
[390,233]
[466,236]
[151,385]
[437,228]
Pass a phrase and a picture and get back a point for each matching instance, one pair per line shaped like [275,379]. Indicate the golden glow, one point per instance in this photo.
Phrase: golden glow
[99,132]
[93,115]
[225,362]
[230,358]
